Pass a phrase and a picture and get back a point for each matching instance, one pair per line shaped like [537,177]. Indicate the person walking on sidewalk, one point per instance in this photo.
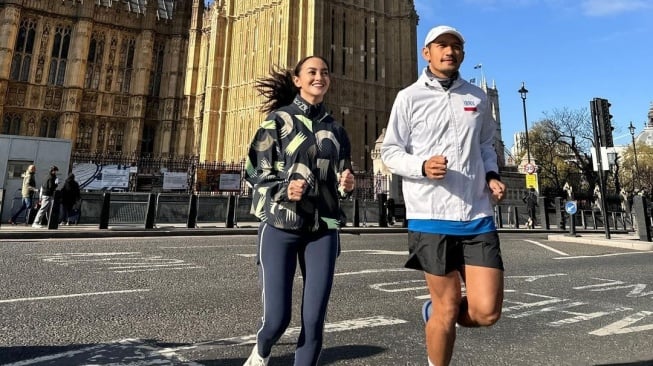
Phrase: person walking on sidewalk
[47,196]
[440,139]
[299,165]
[27,193]
[70,196]
[530,199]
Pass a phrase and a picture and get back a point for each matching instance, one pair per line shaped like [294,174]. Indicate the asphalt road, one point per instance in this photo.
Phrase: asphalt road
[195,301]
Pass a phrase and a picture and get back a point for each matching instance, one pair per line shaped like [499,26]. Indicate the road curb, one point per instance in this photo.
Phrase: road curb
[625,243]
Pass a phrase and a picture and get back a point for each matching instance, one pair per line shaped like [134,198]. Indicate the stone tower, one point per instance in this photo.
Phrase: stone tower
[370,46]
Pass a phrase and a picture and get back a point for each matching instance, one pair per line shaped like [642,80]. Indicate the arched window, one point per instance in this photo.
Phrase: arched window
[11,124]
[22,60]
[126,65]
[48,127]
[59,56]
[84,136]
[94,62]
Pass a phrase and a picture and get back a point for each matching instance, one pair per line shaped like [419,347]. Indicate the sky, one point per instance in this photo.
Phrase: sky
[566,51]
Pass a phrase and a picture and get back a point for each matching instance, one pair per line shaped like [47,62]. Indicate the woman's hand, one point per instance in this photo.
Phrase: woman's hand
[296,189]
[347,180]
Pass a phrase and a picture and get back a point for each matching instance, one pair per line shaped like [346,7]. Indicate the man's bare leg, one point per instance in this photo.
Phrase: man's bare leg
[482,304]
[441,327]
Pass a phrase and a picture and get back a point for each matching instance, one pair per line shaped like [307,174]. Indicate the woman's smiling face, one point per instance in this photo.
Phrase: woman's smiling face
[313,80]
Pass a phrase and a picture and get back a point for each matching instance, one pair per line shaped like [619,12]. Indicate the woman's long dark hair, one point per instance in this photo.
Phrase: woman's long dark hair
[278,89]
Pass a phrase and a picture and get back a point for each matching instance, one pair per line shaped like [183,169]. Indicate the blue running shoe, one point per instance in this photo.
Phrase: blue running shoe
[426,311]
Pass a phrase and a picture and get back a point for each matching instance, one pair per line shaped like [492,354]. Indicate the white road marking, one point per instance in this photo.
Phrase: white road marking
[385,287]
[533,278]
[377,251]
[137,351]
[73,295]
[547,247]
[119,262]
[622,326]
[602,255]
[368,271]
[291,333]
[209,246]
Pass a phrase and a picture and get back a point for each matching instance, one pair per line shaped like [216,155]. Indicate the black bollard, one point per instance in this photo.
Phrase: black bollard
[515,213]
[498,217]
[641,213]
[572,225]
[2,204]
[542,204]
[104,213]
[231,211]
[560,212]
[150,214]
[53,216]
[191,221]
[356,214]
[383,219]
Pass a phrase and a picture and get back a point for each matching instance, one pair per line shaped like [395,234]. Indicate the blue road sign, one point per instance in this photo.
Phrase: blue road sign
[570,207]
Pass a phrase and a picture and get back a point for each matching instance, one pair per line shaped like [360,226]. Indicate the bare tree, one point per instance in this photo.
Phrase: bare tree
[561,144]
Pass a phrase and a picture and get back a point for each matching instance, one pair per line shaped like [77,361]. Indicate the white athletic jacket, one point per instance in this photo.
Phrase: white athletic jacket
[425,121]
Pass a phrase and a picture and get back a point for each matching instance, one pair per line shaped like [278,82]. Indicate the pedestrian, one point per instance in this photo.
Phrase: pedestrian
[27,194]
[70,197]
[440,139]
[530,199]
[299,165]
[48,188]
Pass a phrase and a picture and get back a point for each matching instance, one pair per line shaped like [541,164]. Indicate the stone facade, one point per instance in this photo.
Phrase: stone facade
[176,78]
[107,75]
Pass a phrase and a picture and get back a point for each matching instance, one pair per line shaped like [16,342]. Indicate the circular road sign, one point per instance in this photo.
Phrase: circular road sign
[530,168]
[570,207]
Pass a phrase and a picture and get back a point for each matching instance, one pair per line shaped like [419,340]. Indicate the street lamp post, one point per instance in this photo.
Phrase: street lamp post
[523,91]
[632,135]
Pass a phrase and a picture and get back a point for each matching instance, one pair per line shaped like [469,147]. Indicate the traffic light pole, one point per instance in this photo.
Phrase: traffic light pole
[596,126]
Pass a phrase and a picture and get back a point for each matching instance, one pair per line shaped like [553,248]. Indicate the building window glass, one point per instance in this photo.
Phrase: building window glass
[59,56]
[48,127]
[126,65]
[157,69]
[94,62]
[11,124]
[84,136]
[22,60]
[116,136]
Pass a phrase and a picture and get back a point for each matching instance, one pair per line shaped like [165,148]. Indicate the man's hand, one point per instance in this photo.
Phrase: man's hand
[497,189]
[436,167]
[296,188]
[347,180]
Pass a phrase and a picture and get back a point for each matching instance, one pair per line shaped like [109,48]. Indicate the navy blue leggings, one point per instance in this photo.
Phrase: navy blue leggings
[278,254]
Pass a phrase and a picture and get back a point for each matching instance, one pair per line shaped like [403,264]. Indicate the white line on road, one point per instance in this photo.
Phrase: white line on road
[546,247]
[73,295]
[603,255]
[368,271]
[345,325]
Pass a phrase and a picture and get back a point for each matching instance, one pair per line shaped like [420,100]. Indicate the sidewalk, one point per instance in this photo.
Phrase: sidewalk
[22,232]
[626,241]
[18,232]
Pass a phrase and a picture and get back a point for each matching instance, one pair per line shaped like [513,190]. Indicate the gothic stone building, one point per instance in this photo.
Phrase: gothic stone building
[175,77]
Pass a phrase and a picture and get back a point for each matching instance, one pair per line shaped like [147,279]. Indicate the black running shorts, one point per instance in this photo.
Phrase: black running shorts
[439,254]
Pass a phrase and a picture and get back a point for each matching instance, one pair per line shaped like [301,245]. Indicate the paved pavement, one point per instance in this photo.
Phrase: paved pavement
[620,239]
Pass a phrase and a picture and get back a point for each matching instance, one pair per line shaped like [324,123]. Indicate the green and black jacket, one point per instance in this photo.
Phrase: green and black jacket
[298,141]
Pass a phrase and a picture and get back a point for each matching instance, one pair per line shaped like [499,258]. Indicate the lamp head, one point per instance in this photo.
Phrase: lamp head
[523,91]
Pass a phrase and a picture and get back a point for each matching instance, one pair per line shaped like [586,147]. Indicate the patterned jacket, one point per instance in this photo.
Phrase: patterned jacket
[298,141]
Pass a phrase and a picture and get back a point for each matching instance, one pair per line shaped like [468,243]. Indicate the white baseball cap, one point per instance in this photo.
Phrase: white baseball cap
[440,30]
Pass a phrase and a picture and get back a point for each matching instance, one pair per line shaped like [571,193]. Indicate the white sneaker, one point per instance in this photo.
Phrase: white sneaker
[38,226]
[255,359]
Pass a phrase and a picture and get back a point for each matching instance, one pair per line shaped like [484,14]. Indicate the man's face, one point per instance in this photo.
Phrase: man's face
[444,55]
